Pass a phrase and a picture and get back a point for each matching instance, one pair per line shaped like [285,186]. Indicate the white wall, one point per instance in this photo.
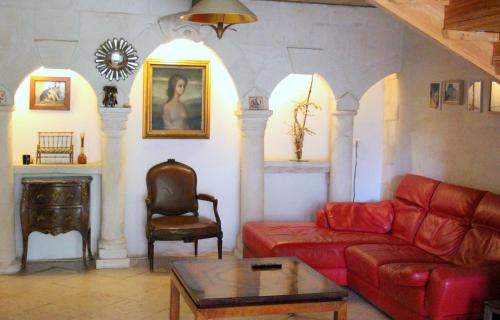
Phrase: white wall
[287,39]
[449,144]
[369,132]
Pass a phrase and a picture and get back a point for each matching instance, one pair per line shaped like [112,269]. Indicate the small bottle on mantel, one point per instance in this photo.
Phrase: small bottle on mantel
[82,158]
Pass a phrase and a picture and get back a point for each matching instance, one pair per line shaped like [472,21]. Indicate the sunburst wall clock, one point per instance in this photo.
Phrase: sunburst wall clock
[116,59]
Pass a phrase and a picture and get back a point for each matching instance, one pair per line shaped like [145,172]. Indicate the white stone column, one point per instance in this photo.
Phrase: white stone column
[8,262]
[341,142]
[112,246]
[253,125]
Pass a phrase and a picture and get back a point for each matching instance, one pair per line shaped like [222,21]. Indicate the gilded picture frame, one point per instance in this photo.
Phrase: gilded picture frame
[176,99]
[50,93]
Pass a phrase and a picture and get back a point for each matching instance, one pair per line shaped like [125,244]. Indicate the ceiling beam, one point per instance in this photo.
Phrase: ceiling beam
[352,3]
[428,17]
[471,35]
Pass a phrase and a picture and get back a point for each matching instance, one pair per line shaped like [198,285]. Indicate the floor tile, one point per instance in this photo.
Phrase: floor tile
[66,290]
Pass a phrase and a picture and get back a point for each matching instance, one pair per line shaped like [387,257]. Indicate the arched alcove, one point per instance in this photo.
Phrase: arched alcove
[296,192]
[293,89]
[82,117]
[216,160]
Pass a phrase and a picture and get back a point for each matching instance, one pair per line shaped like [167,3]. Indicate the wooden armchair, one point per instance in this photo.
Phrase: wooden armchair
[172,194]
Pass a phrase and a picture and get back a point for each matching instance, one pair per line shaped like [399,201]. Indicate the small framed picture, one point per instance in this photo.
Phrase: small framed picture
[495,97]
[3,97]
[453,92]
[257,103]
[475,96]
[435,95]
[50,93]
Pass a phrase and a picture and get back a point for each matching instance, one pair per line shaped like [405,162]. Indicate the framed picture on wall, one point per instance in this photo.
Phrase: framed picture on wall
[435,95]
[176,99]
[475,96]
[453,92]
[495,97]
[50,93]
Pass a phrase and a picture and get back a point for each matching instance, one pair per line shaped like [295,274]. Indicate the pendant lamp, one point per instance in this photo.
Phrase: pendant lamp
[219,14]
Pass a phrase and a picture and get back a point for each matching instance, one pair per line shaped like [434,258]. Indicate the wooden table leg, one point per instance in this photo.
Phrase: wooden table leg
[174,302]
[341,313]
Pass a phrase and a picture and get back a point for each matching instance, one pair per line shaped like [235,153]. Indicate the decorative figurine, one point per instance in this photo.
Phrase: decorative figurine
[82,158]
[109,100]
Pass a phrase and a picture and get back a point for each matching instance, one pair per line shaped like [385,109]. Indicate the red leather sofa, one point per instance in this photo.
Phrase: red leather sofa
[432,252]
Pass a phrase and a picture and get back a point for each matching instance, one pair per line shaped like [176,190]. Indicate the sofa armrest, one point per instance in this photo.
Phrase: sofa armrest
[461,290]
[321,220]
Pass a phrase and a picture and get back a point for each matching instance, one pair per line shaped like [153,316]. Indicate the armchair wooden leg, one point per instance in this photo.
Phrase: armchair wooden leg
[196,247]
[151,254]
[219,247]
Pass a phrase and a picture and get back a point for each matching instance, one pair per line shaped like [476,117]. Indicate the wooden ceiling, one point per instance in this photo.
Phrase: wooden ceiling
[356,3]
[470,28]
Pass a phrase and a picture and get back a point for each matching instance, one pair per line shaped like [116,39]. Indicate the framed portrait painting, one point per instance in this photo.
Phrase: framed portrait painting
[50,93]
[176,99]
[435,95]
[453,92]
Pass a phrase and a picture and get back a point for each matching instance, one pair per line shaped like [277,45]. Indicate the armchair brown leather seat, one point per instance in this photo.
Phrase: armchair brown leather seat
[172,194]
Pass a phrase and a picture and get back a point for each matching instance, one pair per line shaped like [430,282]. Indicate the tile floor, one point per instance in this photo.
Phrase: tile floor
[65,291]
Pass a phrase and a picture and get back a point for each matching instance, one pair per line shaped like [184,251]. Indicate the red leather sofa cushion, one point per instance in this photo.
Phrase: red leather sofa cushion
[411,203]
[407,220]
[363,217]
[318,247]
[417,190]
[444,227]
[365,260]
[481,245]
[408,274]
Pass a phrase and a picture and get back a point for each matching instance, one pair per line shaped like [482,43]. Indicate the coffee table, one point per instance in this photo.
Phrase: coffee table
[251,287]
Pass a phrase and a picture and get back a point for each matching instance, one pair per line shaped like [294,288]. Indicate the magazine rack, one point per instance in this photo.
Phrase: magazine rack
[54,147]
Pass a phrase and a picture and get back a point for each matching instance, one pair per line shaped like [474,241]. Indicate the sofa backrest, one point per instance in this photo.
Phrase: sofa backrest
[411,204]
[481,244]
[448,220]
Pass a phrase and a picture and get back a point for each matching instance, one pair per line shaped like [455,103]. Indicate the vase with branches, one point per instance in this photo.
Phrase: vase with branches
[301,112]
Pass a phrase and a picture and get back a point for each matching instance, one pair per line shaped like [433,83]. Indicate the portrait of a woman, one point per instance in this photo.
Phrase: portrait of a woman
[176,99]
[174,110]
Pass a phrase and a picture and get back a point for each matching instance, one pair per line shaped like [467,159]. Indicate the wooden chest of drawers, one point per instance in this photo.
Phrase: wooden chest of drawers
[56,205]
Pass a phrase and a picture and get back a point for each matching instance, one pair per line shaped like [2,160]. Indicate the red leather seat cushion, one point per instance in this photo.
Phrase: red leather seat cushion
[444,227]
[363,217]
[411,203]
[408,274]
[364,260]
[318,247]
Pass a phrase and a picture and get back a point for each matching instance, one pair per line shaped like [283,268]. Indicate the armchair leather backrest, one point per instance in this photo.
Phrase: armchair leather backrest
[172,188]
[482,242]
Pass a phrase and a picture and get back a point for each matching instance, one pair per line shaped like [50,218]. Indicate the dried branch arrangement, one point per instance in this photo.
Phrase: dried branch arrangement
[301,111]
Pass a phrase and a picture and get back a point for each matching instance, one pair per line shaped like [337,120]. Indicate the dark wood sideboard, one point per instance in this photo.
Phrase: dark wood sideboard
[55,205]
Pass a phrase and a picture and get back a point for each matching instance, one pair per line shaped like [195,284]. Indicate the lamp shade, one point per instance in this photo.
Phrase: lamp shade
[219,11]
